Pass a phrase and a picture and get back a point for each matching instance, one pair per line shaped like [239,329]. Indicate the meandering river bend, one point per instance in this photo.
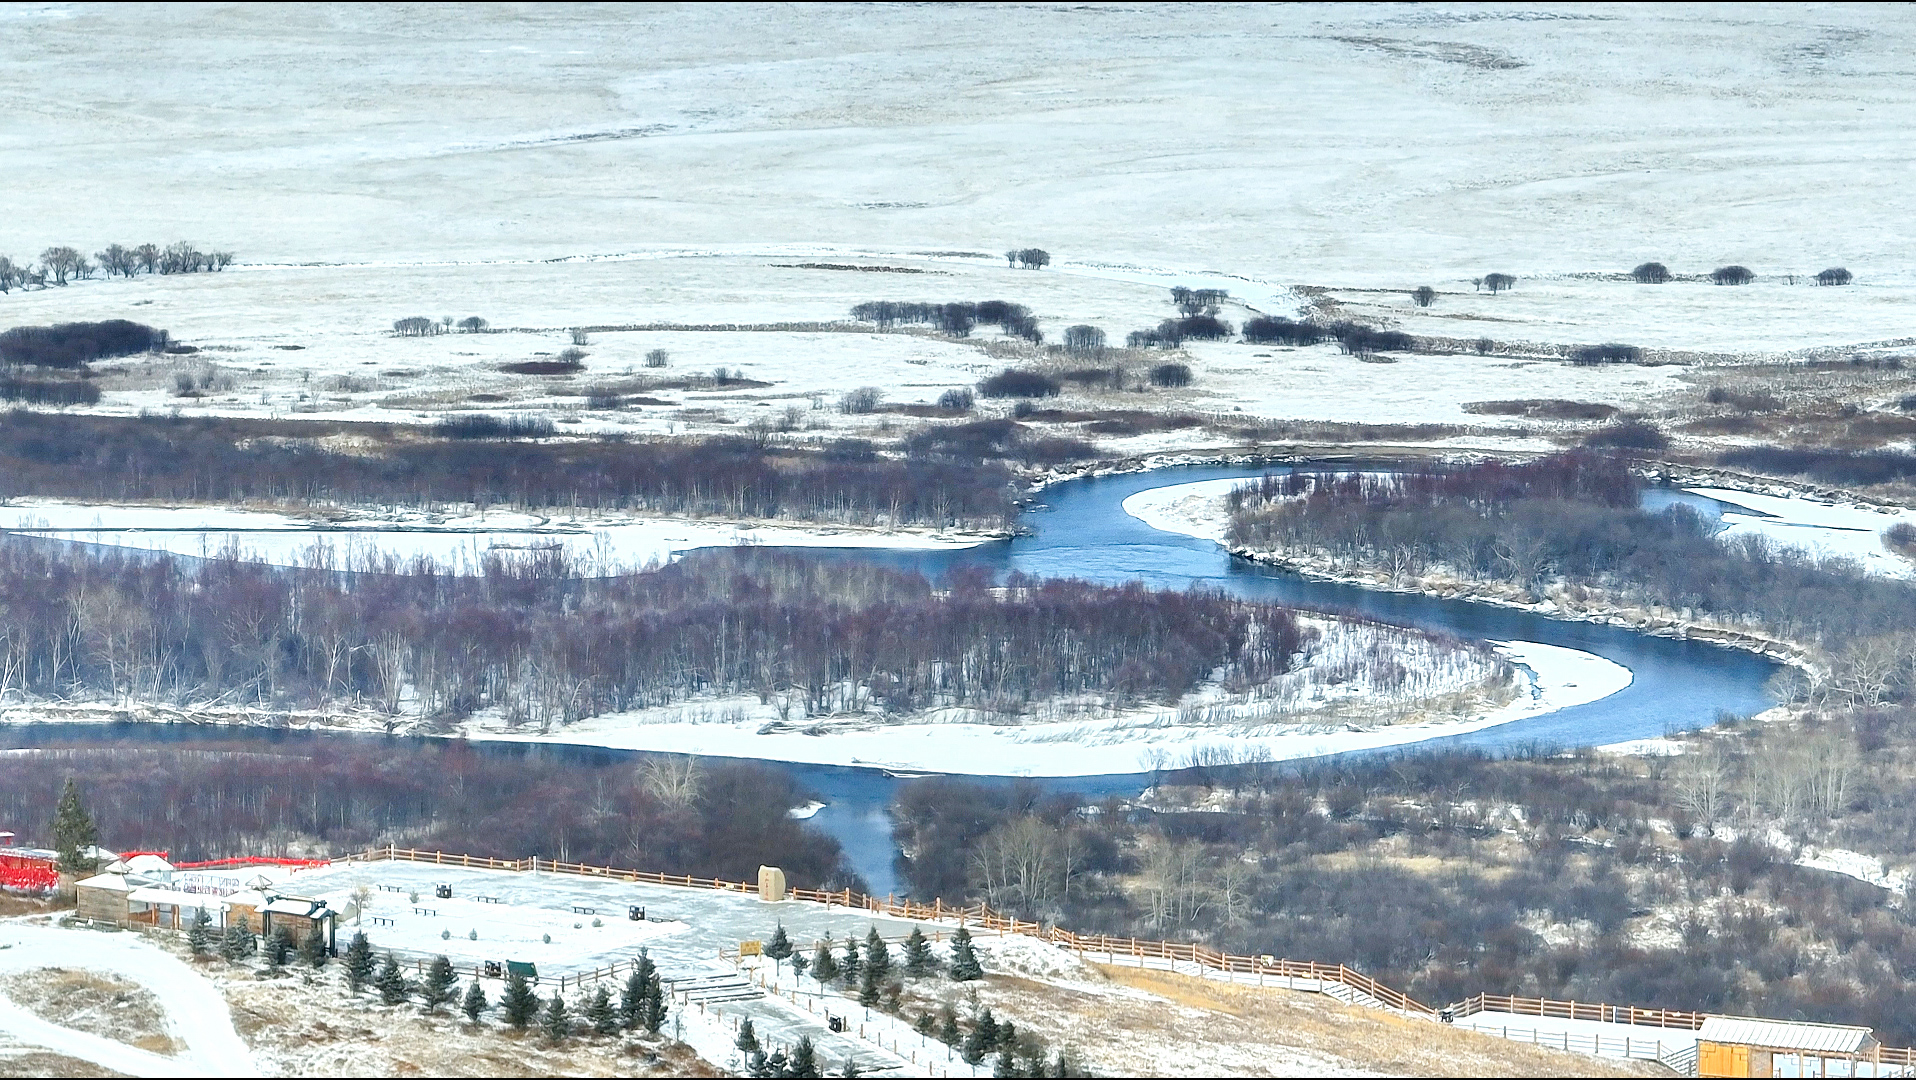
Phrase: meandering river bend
[1081,530]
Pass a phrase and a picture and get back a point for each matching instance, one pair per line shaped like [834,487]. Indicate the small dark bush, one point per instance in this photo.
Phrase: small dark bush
[1835,275]
[1484,346]
[1651,273]
[604,399]
[1423,296]
[657,358]
[1901,536]
[858,402]
[570,362]
[1171,375]
[959,399]
[1544,408]
[1203,328]
[488,426]
[1629,435]
[1907,403]
[1732,275]
[69,345]
[1757,401]
[49,392]
[1013,382]
[1360,340]
[1611,353]
[1276,330]
[1111,377]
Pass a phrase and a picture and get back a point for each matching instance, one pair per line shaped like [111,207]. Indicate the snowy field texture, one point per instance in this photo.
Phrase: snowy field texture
[1554,678]
[1820,528]
[196,1015]
[697,926]
[605,543]
[626,167]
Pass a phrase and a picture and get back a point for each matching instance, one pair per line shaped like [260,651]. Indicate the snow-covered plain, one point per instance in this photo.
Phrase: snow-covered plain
[458,541]
[622,166]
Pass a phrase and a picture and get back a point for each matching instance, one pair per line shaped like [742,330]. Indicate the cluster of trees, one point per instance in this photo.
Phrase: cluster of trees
[1655,273]
[73,345]
[1334,862]
[420,326]
[49,391]
[1609,353]
[986,440]
[1574,518]
[1029,258]
[1828,466]
[488,426]
[1277,330]
[535,641]
[957,318]
[61,264]
[227,460]
[215,798]
[1496,283]
[1019,382]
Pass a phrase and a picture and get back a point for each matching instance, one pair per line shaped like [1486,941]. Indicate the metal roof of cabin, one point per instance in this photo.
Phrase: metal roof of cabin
[1785,1035]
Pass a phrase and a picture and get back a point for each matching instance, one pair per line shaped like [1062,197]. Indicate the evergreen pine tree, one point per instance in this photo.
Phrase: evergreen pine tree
[391,982]
[1006,1065]
[359,962]
[600,1013]
[747,1041]
[824,967]
[555,1021]
[800,962]
[780,946]
[918,959]
[925,1024]
[982,1039]
[867,986]
[279,947]
[849,964]
[199,936]
[1007,1036]
[73,831]
[948,1032]
[877,956]
[237,943]
[804,1059]
[312,948]
[441,985]
[964,959]
[475,1001]
[775,1065]
[852,1071]
[518,1002]
[655,1006]
[632,1002]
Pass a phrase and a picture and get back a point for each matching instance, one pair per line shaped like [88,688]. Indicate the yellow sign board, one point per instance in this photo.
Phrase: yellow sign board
[751,948]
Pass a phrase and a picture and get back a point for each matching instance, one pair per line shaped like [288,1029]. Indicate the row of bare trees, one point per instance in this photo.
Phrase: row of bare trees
[60,264]
[535,642]
[210,459]
[208,799]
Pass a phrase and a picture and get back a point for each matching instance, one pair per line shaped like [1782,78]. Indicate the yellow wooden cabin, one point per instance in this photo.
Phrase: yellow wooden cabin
[1742,1046]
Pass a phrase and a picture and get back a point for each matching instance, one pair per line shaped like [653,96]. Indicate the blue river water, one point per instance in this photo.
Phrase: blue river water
[1081,530]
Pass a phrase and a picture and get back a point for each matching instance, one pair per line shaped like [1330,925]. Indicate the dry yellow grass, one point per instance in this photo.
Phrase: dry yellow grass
[1364,1039]
[43,1063]
[95,1003]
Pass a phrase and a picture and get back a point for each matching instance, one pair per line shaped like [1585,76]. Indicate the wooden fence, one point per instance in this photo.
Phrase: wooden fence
[1172,952]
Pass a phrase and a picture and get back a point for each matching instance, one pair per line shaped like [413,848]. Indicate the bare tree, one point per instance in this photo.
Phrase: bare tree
[61,262]
[148,256]
[1497,283]
[1084,340]
[657,358]
[1835,275]
[413,326]
[579,336]
[1701,782]
[472,324]
[1424,295]
[674,781]
[863,400]
[1732,275]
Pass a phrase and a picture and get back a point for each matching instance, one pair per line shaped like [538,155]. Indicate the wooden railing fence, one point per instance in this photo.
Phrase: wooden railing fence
[984,918]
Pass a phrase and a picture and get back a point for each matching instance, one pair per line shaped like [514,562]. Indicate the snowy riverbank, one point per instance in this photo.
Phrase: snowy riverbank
[458,540]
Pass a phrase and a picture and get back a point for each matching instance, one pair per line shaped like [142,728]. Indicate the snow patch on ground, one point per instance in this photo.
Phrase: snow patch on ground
[461,541]
[1820,528]
[196,1015]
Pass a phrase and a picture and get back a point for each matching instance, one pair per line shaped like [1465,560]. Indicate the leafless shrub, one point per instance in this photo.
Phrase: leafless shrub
[657,358]
[1423,296]
[863,400]
[1732,275]
[1835,275]
[1650,273]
